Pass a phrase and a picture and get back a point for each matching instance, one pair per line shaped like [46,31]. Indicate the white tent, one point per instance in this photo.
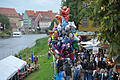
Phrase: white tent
[9,66]
[6,71]
[92,42]
[88,47]
[15,62]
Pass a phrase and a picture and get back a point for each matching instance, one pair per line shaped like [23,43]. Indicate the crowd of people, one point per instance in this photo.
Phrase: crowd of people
[86,66]
[73,61]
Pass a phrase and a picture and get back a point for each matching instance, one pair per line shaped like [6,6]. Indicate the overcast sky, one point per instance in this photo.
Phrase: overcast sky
[36,5]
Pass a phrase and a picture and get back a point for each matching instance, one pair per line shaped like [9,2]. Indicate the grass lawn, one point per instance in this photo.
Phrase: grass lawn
[45,71]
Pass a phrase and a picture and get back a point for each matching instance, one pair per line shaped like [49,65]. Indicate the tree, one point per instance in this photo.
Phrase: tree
[106,14]
[52,24]
[5,21]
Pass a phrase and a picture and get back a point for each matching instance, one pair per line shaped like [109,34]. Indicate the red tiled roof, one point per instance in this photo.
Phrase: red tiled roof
[21,16]
[48,14]
[30,12]
[45,15]
[11,12]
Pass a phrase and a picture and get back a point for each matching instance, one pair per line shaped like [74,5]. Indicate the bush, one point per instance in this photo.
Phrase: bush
[7,32]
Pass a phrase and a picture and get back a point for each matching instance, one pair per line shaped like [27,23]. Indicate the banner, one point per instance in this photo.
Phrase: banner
[95,50]
[86,33]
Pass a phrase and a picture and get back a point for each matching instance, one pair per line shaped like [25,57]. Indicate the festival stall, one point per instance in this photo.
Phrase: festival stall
[9,67]
[7,71]
[91,43]
[85,35]
[15,62]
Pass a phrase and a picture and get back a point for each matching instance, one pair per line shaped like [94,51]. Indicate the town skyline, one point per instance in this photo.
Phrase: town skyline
[36,5]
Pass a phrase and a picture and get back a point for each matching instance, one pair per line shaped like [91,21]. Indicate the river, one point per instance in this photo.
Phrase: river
[12,46]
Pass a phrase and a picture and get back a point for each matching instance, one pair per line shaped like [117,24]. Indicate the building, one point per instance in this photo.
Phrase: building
[13,16]
[27,18]
[41,19]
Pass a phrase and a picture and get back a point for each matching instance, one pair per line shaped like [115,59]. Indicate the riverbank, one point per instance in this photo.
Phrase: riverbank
[45,71]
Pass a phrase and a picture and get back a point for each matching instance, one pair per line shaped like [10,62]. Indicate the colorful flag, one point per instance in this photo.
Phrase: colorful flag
[20,57]
[32,58]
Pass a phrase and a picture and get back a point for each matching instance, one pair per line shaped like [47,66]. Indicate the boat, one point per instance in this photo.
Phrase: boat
[17,34]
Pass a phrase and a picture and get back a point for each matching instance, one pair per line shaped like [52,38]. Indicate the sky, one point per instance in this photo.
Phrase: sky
[36,5]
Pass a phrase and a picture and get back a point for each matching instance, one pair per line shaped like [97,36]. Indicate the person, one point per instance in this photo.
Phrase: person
[102,64]
[90,68]
[59,64]
[102,75]
[62,74]
[93,62]
[88,55]
[76,74]
[68,70]
[115,75]
[106,74]
[79,66]
[36,59]
[48,55]
[96,59]
[95,73]
[85,67]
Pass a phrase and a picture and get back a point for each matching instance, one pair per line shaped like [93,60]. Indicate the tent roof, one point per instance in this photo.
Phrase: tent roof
[6,71]
[90,44]
[15,62]
[9,66]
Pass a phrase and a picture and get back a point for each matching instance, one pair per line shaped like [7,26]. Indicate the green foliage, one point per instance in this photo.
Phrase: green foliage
[7,32]
[2,34]
[106,14]
[4,20]
[52,24]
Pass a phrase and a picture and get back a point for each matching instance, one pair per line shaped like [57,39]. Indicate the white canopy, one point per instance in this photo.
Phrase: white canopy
[92,42]
[6,71]
[9,66]
[15,62]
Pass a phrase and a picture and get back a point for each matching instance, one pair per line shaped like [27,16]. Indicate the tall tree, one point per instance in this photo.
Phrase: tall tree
[5,21]
[106,14]
[52,24]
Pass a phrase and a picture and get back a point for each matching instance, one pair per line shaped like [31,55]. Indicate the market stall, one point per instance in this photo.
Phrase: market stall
[9,67]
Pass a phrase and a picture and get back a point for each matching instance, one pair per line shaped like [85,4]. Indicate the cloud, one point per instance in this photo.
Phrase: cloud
[37,5]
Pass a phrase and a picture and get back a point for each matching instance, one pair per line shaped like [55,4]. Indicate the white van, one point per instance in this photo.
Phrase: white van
[17,34]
